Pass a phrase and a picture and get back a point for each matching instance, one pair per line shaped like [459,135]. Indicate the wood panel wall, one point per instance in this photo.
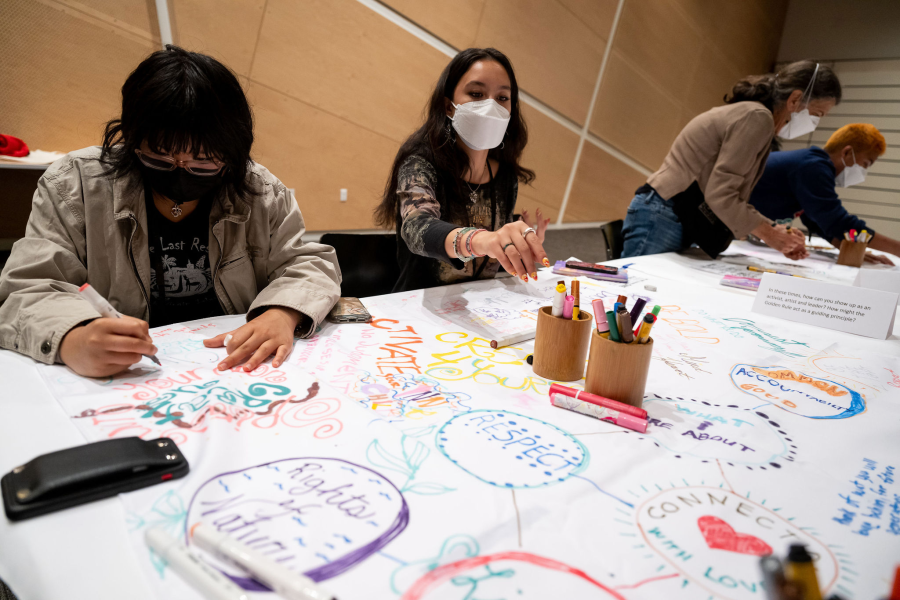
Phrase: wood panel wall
[336,87]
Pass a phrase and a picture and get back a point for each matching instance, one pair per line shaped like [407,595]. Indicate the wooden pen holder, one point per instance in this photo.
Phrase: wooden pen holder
[560,345]
[618,371]
[853,254]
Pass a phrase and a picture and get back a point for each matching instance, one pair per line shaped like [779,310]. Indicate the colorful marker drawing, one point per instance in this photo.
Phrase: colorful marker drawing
[797,392]
[713,537]
[408,397]
[407,462]
[179,407]
[454,548]
[719,535]
[509,450]
[870,504]
[318,516]
[168,513]
[495,575]
[702,430]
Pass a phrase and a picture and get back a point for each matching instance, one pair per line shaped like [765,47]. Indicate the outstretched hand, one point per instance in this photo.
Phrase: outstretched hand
[518,249]
[254,342]
[539,225]
[878,259]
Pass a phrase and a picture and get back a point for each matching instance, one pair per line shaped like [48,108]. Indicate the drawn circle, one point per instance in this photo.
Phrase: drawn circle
[318,516]
[714,538]
[798,393]
[471,573]
[509,450]
[738,437]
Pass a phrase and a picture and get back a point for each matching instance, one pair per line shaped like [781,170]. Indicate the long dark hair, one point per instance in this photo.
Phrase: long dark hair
[432,142]
[180,101]
[773,90]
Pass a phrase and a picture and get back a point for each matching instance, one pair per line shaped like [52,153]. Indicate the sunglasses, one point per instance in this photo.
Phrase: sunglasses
[204,168]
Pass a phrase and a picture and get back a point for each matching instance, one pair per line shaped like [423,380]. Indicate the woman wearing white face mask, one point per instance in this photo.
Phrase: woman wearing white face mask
[454,182]
[802,182]
[700,193]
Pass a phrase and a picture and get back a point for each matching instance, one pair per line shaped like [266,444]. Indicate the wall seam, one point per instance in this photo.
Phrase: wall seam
[165,25]
[322,110]
[256,42]
[590,113]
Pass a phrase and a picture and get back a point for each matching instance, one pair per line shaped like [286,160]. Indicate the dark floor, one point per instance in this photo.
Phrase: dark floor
[585,244]
[560,244]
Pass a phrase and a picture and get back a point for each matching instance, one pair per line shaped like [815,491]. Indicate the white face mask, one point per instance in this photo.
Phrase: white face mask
[852,175]
[801,123]
[482,124]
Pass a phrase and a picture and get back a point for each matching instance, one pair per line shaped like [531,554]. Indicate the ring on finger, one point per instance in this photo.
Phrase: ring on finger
[529,230]
[505,246]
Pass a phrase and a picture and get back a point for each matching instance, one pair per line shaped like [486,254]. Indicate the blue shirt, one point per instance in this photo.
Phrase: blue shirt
[803,180]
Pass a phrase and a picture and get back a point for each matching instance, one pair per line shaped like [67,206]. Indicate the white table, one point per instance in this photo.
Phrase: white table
[86,552]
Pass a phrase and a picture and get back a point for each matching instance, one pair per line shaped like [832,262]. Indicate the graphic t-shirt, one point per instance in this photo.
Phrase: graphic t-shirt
[179,257]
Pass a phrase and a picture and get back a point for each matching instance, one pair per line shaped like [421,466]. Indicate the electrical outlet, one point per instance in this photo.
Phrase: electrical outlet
[343,195]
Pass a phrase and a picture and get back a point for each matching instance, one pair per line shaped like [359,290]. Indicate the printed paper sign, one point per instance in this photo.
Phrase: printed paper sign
[839,307]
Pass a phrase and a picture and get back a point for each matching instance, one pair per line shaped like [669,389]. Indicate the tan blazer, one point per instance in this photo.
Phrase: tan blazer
[724,150]
[87,227]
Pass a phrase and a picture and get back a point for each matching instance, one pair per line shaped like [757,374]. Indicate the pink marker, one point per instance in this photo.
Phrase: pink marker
[600,316]
[568,307]
[600,412]
[598,400]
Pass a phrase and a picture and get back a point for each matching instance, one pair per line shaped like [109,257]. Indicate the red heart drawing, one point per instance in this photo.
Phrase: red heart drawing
[720,535]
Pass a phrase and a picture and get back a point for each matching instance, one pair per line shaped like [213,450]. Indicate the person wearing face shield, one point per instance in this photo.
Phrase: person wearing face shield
[700,195]
[454,183]
[171,221]
[802,183]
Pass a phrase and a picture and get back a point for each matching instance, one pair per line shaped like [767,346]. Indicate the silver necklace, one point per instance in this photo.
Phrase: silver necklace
[176,210]
[473,194]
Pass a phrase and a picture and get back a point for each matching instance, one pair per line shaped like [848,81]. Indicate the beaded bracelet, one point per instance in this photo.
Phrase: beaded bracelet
[462,231]
[469,244]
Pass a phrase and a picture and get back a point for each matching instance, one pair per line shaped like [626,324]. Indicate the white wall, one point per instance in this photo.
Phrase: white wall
[841,30]
[860,39]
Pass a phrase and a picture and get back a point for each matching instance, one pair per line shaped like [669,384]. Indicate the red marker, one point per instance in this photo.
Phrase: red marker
[598,400]
[603,413]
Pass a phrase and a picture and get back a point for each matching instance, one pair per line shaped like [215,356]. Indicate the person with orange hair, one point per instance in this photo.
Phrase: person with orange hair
[802,183]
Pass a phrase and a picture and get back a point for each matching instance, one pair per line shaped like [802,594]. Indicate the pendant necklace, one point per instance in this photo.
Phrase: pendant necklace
[473,194]
[176,210]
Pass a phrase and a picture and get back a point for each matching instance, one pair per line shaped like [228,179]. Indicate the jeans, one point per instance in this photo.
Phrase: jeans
[651,227]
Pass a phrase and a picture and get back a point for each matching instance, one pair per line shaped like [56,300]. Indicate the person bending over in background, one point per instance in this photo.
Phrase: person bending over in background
[171,221]
[701,192]
[454,182]
[802,183]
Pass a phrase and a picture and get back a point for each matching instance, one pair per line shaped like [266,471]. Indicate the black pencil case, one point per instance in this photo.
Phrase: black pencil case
[82,474]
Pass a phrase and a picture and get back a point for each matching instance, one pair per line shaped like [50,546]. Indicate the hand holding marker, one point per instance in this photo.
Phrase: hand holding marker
[102,306]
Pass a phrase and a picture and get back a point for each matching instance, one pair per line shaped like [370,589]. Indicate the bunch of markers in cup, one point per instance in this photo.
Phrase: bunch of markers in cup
[616,325]
[861,237]
[565,305]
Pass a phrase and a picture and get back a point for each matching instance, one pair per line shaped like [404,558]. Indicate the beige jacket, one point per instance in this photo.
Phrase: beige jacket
[724,150]
[89,228]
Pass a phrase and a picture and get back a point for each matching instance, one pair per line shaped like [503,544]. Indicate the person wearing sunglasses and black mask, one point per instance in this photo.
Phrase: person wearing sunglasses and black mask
[171,221]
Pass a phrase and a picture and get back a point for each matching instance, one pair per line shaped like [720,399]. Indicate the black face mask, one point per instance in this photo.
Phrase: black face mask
[180,186]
